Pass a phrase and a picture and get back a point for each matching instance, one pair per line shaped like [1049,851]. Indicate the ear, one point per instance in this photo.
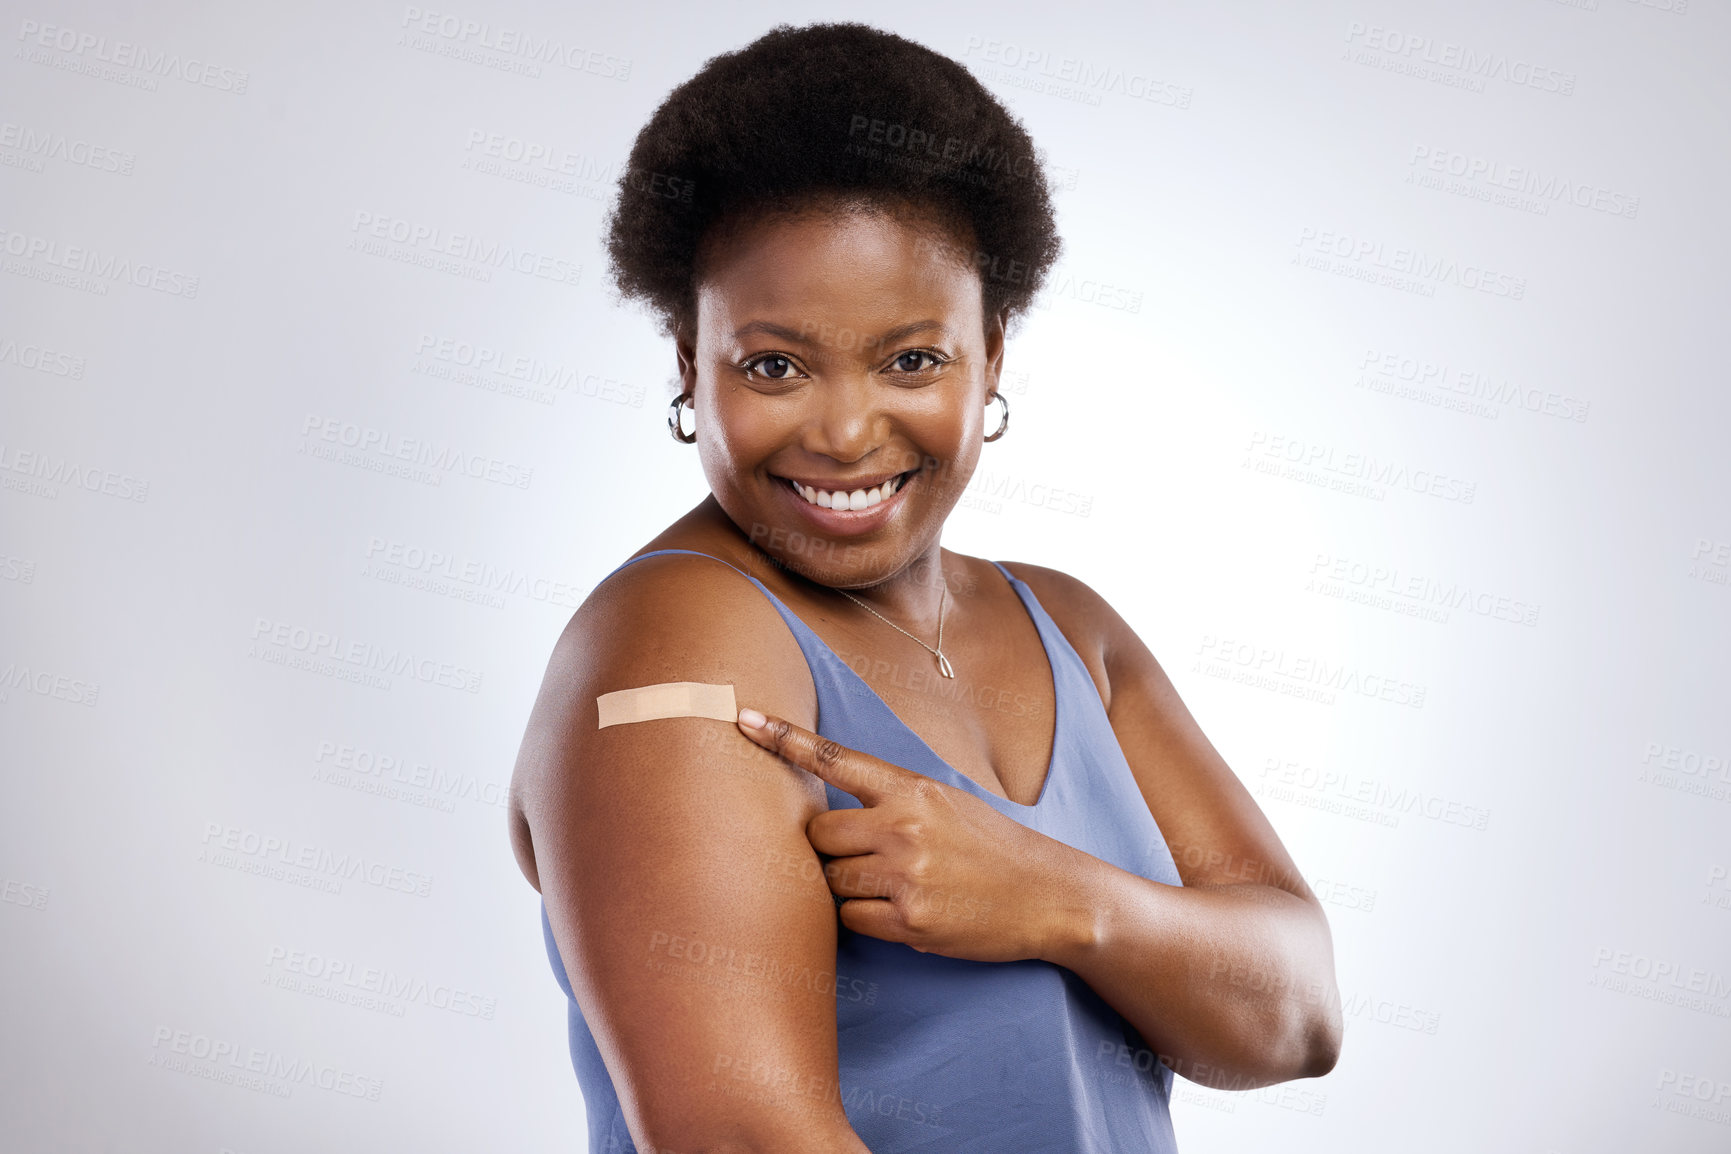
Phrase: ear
[995,329]
[685,351]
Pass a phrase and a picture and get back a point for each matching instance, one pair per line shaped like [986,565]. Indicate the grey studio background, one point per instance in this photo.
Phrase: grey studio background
[1377,389]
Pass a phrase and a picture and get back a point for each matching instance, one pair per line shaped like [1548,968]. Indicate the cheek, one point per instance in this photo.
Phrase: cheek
[738,433]
[961,467]
[951,450]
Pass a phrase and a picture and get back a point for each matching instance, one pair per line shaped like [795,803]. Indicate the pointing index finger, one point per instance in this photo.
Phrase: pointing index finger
[866,777]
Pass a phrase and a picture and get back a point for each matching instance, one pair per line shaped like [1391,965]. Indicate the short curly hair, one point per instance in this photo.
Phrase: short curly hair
[826,113]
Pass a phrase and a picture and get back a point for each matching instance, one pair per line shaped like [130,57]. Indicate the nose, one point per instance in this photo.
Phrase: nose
[846,420]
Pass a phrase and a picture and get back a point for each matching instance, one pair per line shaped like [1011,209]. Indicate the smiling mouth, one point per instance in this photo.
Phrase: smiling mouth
[850,500]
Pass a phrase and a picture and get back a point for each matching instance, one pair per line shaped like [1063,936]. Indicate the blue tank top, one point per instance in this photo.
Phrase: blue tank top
[943,1055]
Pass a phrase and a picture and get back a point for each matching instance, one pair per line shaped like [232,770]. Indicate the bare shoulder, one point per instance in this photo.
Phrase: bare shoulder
[1214,828]
[672,617]
[688,614]
[1057,590]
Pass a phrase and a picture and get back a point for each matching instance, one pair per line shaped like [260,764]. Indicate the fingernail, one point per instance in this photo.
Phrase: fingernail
[752,719]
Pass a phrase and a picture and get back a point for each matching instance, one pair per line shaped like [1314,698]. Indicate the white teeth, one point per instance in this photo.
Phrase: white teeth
[858,499]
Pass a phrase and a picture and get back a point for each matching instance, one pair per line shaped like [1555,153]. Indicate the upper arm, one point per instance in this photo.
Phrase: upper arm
[686,902]
[1217,833]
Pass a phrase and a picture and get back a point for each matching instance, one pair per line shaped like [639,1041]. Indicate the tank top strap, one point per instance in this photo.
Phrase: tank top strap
[1069,672]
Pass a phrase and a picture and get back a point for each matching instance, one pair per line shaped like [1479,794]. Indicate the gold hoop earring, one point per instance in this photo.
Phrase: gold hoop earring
[675,426]
[1005,423]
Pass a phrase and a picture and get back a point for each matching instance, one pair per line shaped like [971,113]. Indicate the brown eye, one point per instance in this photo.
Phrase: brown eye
[911,362]
[775,368]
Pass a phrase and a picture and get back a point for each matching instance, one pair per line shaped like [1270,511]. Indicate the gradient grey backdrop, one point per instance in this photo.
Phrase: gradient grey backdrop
[1376,389]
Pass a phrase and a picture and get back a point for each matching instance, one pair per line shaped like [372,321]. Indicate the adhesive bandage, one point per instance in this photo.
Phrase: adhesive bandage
[671,699]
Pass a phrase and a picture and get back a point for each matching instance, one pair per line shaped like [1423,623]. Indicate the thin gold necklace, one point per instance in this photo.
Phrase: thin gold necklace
[943,662]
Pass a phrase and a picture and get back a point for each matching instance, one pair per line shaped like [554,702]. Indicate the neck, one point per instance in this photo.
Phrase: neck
[914,596]
[910,593]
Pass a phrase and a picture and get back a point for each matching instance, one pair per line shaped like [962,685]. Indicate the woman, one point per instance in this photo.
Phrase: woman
[965,875]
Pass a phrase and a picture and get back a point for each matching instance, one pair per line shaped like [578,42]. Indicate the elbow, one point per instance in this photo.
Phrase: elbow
[1323,1035]
[1306,1041]
[1320,1025]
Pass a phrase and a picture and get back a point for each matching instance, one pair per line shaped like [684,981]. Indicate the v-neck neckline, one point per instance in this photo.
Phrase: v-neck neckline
[1016,587]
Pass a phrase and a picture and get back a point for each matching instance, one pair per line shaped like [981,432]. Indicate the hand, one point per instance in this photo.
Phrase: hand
[930,865]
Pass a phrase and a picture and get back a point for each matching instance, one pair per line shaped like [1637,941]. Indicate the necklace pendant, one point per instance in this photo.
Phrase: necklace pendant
[944,666]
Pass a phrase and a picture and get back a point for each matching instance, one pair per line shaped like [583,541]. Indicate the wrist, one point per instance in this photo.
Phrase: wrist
[1073,925]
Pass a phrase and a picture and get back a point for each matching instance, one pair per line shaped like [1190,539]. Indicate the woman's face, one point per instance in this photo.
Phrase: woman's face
[840,351]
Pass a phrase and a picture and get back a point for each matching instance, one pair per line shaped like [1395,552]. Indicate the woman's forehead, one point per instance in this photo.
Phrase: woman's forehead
[834,220]
[792,271]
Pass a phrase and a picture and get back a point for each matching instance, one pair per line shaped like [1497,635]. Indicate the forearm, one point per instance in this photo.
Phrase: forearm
[1232,985]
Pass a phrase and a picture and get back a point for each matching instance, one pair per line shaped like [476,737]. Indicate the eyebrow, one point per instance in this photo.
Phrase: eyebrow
[771,329]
